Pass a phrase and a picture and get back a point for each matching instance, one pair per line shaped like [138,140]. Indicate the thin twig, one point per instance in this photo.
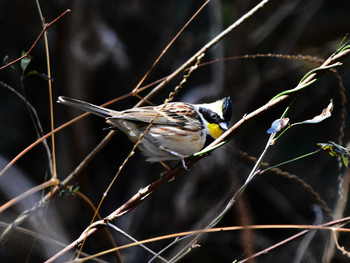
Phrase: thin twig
[51,182]
[168,46]
[268,55]
[205,48]
[34,113]
[36,41]
[291,238]
[48,65]
[134,240]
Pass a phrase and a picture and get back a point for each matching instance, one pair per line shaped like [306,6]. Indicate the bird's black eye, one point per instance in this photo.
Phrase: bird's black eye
[214,117]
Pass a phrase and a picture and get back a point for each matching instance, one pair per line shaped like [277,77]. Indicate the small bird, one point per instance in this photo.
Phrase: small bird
[180,130]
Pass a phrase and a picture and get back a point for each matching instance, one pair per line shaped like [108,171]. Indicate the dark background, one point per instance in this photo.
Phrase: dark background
[101,50]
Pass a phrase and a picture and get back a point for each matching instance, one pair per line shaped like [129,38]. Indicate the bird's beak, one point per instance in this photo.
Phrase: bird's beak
[223,126]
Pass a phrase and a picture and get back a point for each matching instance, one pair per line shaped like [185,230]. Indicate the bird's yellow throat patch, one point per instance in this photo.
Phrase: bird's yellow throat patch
[215,130]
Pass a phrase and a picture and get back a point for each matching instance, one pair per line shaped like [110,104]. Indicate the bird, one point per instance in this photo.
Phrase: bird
[179,129]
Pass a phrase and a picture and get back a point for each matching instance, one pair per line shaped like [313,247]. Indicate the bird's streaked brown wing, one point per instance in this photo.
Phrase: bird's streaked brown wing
[173,114]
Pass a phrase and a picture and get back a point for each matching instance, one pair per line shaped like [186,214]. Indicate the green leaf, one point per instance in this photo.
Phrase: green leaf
[345,160]
[41,75]
[33,72]
[74,188]
[342,46]
[25,61]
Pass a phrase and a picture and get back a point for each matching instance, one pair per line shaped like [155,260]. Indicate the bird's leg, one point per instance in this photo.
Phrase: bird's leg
[181,157]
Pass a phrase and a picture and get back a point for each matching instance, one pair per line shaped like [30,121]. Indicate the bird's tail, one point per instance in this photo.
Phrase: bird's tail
[82,105]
